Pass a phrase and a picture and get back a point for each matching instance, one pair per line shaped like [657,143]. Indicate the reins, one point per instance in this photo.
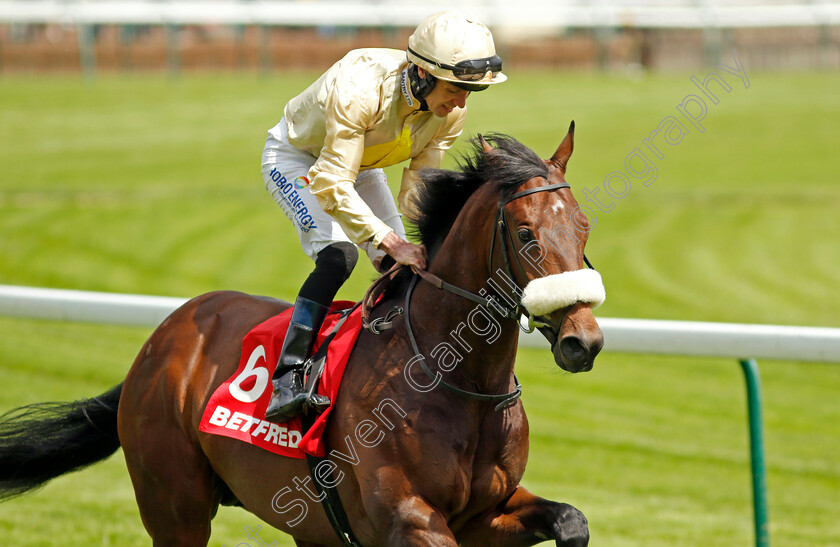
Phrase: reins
[494,304]
[503,400]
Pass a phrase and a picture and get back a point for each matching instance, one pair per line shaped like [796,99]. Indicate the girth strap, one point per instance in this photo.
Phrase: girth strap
[329,497]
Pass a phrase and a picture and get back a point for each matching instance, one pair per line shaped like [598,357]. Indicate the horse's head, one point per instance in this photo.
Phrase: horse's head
[540,240]
[508,201]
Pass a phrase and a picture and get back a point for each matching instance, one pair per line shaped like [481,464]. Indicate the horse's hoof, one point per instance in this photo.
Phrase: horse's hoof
[571,527]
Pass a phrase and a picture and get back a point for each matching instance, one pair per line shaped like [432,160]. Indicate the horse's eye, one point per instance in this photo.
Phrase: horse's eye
[525,234]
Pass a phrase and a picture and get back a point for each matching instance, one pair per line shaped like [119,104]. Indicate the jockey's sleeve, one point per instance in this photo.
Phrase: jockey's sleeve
[430,157]
[350,108]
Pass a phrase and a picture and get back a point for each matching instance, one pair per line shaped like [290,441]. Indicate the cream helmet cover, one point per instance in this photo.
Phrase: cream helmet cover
[455,48]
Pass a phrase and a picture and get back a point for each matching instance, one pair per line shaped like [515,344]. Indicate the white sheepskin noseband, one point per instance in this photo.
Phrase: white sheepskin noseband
[553,292]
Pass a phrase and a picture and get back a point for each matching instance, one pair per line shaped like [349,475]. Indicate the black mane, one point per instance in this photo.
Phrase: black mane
[442,194]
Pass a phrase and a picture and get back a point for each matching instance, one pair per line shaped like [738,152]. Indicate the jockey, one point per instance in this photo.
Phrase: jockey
[323,166]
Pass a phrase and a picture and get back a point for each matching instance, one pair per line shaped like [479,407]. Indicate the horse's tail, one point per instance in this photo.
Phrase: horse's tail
[42,441]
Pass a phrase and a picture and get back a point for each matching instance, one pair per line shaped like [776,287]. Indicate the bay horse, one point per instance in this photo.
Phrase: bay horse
[418,456]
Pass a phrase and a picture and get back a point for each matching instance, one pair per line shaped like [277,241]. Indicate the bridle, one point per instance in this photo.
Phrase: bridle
[505,238]
[489,301]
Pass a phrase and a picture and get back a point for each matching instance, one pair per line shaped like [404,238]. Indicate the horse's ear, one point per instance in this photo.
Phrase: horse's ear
[484,144]
[564,151]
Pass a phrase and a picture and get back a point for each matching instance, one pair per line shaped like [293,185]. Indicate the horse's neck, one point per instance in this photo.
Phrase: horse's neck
[463,256]
[483,343]
[453,327]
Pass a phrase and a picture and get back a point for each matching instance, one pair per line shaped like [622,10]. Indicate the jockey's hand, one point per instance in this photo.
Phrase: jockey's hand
[404,252]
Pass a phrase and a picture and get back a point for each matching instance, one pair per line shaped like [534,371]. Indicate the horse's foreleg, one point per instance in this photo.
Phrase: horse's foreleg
[526,519]
[414,523]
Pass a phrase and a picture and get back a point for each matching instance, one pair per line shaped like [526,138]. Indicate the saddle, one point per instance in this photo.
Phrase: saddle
[237,407]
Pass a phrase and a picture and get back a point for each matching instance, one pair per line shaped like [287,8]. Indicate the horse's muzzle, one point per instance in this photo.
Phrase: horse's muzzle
[576,340]
[575,354]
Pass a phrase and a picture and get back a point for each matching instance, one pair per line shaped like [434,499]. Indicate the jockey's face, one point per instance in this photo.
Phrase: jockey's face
[445,97]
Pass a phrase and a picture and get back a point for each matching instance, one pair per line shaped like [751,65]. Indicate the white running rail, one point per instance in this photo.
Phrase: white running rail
[740,341]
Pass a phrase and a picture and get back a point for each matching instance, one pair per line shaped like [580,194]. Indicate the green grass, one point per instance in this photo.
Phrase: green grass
[147,185]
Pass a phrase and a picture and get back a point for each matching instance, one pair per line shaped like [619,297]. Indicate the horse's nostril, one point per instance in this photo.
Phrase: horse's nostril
[572,349]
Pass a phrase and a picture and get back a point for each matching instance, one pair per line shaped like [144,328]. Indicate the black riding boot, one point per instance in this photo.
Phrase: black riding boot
[289,397]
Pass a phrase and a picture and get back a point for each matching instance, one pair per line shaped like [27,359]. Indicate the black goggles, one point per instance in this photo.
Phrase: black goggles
[471,70]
